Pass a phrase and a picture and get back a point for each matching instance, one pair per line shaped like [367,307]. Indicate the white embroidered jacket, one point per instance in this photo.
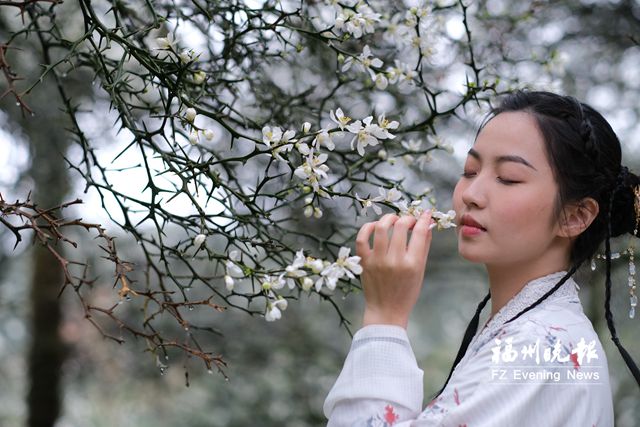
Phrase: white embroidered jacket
[546,368]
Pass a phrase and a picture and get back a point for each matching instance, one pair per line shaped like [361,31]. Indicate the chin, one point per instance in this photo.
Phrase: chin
[473,258]
[476,256]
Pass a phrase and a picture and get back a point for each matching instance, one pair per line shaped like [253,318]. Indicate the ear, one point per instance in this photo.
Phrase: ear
[577,217]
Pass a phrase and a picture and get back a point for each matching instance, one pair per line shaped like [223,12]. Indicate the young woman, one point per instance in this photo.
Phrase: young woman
[542,188]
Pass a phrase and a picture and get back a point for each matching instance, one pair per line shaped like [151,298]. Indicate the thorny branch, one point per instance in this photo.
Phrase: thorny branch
[224,183]
[48,227]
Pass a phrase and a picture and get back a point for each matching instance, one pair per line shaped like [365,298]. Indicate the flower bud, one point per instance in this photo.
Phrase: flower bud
[382,154]
[190,115]
[208,133]
[308,211]
[306,189]
[307,283]
[317,212]
[229,282]
[281,303]
[306,127]
[381,81]
[193,137]
[308,200]
[199,77]
[199,240]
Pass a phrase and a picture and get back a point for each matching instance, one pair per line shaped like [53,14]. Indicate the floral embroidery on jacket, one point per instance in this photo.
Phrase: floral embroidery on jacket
[387,420]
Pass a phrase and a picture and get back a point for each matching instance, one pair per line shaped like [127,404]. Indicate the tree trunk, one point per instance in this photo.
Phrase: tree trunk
[47,352]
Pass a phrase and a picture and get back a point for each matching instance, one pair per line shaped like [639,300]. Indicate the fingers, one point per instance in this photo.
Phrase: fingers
[398,244]
[363,250]
[381,234]
[421,235]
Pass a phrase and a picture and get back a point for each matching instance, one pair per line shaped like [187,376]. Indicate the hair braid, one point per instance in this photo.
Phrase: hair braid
[466,340]
[607,309]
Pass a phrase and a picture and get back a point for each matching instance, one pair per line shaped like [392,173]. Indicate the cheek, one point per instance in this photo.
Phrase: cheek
[456,198]
[527,214]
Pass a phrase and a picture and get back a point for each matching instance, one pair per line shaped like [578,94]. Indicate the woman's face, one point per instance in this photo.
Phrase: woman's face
[509,189]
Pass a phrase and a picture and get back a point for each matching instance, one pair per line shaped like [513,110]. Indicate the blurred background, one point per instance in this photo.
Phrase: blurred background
[57,368]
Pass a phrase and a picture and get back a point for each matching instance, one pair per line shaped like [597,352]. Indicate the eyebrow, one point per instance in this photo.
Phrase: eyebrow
[505,158]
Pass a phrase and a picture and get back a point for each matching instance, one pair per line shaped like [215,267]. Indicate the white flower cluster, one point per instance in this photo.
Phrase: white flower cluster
[299,272]
[194,135]
[394,197]
[415,146]
[278,140]
[169,46]
[416,28]
[357,21]
[401,73]
[232,270]
[364,132]
[391,196]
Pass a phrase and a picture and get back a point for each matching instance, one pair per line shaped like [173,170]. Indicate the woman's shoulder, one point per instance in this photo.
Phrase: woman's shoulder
[561,319]
[547,358]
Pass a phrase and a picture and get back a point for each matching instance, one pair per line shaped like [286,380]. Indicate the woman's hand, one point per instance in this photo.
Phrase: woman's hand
[393,271]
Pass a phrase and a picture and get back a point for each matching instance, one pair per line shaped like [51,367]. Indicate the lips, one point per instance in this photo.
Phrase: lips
[470,221]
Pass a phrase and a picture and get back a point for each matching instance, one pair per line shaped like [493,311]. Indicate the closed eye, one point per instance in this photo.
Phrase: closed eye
[507,182]
[504,181]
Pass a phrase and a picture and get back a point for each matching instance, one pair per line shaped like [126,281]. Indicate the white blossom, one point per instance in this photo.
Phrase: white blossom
[365,61]
[395,31]
[439,143]
[275,307]
[385,125]
[314,264]
[313,169]
[401,74]
[187,56]
[391,195]
[294,270]
[278,140]
[273,313]
[367,134]
[381,81]
[324,138]
[370,203]
[443,220]
[344,265]
[423,159]
[232,268]
[166,43]
[271,135]
[358,22]
[339,118]
[412,208]
[273,282]
[368,17]
[412,144]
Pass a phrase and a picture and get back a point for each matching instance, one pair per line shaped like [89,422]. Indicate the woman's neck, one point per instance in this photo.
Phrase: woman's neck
[506,281]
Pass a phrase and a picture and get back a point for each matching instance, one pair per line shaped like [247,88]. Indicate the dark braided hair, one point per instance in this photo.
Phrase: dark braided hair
[585,156]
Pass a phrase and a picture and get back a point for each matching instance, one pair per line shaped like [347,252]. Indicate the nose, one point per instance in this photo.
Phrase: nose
[473,192]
